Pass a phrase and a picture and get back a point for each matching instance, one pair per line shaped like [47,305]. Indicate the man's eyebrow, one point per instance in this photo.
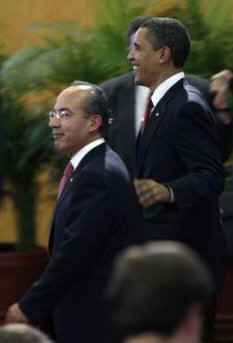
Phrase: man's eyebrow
[63,109]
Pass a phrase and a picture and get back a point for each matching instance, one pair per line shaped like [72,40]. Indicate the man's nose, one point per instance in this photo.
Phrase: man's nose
[54,122]
[130,56]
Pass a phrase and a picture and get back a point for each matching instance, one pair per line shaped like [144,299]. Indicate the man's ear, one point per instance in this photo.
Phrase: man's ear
[165,54]
[96,121]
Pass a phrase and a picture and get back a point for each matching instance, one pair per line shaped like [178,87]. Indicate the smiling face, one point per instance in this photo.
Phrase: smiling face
[145,60]
[74,131]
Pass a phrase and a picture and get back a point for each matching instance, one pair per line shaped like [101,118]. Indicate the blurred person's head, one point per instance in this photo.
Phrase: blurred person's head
[159,291]
[22,333]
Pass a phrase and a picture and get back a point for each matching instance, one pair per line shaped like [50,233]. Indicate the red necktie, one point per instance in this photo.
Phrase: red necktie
[65,178]
[147,113]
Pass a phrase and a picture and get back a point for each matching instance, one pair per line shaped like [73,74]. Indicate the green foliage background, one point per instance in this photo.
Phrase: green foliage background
[71,53]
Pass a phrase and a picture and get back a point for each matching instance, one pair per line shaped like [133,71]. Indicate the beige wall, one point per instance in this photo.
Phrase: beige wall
[17,15]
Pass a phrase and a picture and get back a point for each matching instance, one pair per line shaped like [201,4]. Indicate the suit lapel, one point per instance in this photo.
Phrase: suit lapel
[90,155]
[158,114]
[145,139]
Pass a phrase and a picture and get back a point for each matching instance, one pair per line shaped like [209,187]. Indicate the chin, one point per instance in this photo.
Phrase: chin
[57,146]
[140,82]
[60,148]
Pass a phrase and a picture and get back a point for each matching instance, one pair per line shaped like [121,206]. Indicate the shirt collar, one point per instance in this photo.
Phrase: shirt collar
[76,159]
[165,86]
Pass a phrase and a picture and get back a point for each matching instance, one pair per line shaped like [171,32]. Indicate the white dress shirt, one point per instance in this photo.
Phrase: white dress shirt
[141,100]
[76,159]
[142,94]
[163,87]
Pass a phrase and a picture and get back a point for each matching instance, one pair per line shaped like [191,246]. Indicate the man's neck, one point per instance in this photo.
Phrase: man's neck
[76,159]
[164,76]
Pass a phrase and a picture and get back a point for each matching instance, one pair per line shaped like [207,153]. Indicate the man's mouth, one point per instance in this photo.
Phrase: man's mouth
[57,136]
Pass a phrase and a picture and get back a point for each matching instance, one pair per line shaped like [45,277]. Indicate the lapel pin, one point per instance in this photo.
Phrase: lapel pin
[157,114]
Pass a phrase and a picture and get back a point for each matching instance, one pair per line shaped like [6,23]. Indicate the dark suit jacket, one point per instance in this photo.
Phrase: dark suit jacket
[225,130]
[180,148]
[121,96]
[96,216]
[121,99]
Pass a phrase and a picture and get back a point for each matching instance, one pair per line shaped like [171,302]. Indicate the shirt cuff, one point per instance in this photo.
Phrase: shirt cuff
[171,194]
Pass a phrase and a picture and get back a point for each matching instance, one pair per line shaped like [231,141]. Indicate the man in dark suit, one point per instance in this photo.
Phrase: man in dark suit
[127,102]
[97,214]
[123,101]
[179,174]
[158,293]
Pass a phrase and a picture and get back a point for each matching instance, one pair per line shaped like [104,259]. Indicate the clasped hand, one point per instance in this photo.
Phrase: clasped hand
[151,192]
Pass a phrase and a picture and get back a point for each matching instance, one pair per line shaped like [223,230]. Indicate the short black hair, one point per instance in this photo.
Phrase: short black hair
[153,287]
[22,333]
[169,32]
[96,102]
[134,26]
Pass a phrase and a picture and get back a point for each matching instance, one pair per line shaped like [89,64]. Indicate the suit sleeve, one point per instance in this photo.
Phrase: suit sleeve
[89,220]
[226,137]
[197,148]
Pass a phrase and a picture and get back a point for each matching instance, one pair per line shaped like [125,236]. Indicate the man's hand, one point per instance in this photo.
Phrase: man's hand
[151,192]
[219,85]
[15,315]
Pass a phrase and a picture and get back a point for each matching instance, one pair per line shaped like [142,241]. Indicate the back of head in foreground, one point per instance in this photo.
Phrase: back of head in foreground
[160,290]
[22,333]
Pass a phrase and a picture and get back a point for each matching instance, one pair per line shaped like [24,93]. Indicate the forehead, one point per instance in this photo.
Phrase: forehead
[140,35]
[72,97]
[132,39]
[142,39]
